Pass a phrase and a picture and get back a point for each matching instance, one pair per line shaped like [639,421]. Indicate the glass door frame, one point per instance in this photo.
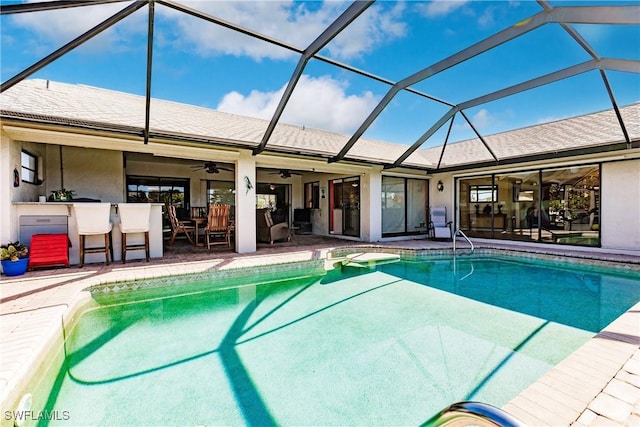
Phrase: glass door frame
[349,202]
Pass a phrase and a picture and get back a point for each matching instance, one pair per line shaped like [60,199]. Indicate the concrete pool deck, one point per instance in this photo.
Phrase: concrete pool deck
[598,385]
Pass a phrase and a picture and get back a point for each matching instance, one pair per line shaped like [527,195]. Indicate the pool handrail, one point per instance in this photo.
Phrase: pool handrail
[482,414]
[459,231]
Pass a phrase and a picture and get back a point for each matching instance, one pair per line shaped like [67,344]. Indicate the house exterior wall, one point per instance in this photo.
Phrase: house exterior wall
[445,197]
[101,174]
[91,173]
[620,204]
[10,155]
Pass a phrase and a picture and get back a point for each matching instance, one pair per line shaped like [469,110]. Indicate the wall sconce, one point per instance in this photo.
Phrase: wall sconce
[323,193]
[440,186]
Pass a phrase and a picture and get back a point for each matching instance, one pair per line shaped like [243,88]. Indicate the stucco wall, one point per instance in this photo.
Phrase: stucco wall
[91,173]
[620,205]
[444,197]
[99,174]
[102,179]
[5,191]
[10,153]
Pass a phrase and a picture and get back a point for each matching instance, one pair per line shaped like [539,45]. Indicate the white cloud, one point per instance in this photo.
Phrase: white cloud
[374,27]
[287,21]
[57,27]
[487,19]
[438,8]
[320,103]
[257,104]
[483,119]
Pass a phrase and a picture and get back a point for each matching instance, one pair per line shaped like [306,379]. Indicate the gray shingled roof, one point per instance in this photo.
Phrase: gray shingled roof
[70,103]
[106,109]
[581,132]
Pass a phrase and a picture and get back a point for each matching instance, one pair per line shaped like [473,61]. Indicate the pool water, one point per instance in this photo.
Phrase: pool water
[386,346]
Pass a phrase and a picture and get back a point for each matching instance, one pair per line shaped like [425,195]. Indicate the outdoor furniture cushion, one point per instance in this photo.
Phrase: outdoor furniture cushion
[48,250]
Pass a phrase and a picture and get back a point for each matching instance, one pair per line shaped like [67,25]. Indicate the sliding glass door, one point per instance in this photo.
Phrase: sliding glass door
[559,205]
[344,209]
[404,206]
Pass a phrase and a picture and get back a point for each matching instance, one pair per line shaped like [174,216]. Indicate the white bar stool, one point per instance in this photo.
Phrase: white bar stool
[134,218]
[93,219]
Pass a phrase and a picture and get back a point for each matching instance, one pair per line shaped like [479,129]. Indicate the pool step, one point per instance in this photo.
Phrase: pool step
[369,259]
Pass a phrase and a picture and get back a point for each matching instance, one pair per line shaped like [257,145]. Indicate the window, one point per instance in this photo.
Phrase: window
[483,193]
[29,168]
[170,191]
[266,201]
[222,193]
[312,195]
[275,197]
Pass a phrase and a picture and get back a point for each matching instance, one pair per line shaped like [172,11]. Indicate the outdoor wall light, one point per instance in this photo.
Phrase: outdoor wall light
[440,186]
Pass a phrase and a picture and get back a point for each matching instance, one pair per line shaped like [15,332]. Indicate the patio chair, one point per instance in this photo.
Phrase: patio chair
[218,226]
[267,230]
[439,227]
[178,226]
[199,211]
[93,219]
[134,218]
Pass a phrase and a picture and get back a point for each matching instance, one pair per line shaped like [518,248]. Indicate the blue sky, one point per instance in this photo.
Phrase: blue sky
[199,63]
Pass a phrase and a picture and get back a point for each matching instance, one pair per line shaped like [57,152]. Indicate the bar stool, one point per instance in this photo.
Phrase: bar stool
[134,218]
[93,219]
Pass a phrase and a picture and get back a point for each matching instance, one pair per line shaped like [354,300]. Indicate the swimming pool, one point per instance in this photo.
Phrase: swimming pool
[391,345]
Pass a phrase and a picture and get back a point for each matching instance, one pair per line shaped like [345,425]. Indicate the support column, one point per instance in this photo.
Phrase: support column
[245,203]
[6,196]
[372,205]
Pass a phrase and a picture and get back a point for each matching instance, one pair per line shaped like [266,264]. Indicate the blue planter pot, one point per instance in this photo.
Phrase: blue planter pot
[15,268]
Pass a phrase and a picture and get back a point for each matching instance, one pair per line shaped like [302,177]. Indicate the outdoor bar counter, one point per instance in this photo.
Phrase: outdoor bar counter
[50,217]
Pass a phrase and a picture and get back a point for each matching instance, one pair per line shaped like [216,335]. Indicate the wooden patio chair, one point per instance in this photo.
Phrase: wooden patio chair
[199,211]
[218,226]
[178,226]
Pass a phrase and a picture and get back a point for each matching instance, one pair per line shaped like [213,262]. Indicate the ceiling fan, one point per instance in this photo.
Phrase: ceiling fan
[285,173]
[210,167]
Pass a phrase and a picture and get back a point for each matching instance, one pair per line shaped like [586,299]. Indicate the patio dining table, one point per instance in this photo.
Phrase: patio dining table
[197,221]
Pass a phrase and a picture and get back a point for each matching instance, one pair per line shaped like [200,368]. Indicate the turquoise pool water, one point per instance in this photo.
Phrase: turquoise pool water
[388,346]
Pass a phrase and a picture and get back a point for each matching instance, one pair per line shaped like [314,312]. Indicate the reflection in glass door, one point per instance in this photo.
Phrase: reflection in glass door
[559,205]
[344,197]
[404,206]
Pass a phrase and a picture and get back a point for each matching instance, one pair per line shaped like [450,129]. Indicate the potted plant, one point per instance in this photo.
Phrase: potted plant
[14,258]
[62,195]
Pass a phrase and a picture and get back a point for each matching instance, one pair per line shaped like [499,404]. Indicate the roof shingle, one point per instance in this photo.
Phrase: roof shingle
[74,103]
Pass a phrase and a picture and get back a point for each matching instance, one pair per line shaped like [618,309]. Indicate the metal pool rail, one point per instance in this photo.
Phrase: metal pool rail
[459,231]
[472,413]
